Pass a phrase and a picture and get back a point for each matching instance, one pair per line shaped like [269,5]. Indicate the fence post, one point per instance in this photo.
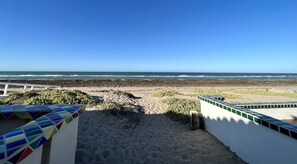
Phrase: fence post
[32,87]
[25,87]
[5,90]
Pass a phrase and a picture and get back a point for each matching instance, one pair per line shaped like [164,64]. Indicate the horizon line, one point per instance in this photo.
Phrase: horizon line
[159,72]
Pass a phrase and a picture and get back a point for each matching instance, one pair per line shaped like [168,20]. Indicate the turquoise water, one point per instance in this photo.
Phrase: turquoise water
[142,75]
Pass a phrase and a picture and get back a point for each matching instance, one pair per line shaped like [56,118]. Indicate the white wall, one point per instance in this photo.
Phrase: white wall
[34,157]
[64,144]
[278,113]
[252,142]
[61,147]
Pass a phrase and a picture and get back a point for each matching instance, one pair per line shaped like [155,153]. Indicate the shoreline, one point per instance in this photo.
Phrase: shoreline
[159,83]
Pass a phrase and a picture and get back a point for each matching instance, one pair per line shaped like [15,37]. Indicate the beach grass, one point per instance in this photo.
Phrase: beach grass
[117,92]
[168,93]
[264,92]
[215,92]
[110,107]
[50,97]
[179,109]
[123,93]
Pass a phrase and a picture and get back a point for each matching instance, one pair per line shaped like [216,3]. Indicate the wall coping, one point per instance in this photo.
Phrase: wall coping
[285,128]
[46,121]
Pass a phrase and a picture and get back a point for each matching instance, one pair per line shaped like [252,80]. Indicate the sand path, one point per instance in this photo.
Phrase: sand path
[155,139]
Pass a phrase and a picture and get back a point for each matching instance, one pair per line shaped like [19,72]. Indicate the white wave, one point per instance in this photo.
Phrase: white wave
[150,76]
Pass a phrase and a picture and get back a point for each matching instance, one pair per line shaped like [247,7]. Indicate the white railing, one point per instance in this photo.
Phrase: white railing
[25,86]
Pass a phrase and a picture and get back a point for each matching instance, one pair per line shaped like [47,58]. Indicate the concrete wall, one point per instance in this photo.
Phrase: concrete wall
[279,113]
[252,142]
[59,149]
[34,157]
[64,143]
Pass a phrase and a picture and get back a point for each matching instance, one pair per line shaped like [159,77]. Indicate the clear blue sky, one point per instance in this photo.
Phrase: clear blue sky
[149,35]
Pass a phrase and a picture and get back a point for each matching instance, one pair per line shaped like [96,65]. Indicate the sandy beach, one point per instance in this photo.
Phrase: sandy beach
[152,137]
[155,138]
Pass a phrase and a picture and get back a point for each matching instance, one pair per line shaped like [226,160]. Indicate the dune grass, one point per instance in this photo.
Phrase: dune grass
[111,107]
[264,92]
[123,93]
[50,97]
[168,93]
[215,93]
[179,109]
[117,92]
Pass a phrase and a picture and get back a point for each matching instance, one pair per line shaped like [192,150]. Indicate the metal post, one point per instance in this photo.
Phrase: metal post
[25,87]
[5,90]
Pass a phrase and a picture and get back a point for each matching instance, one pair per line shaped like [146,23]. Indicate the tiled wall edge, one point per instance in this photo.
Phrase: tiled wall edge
[269,122]
[16,145]
[268,105]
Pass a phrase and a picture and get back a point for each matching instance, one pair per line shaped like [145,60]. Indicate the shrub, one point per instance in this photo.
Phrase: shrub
[111,107]
[50,97]
[215,93]
[127,94]
[179,109]
[168,93]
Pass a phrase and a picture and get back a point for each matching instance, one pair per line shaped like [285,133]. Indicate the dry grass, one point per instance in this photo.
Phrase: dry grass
[264,92]
[179,109]
[168,93]
[50,97]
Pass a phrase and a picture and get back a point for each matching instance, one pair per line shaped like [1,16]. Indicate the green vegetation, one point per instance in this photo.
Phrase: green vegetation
[168,93]
[264,92]
[111,107]
[50,97]
[179,109]
[127,94]
[117,92]
[215,93]
[96,90]
[121,109]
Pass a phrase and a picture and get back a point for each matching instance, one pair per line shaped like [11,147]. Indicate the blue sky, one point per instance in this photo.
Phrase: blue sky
[149,35]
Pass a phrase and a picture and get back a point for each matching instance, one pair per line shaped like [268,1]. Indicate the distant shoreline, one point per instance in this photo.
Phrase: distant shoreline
[144,76]
[158,83]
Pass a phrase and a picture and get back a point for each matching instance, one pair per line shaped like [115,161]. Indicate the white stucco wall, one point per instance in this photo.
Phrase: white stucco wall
[64,144]
[278,113]
[252,142]
[34,157]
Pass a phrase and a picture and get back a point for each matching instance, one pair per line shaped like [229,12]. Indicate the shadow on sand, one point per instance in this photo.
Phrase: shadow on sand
[151,138]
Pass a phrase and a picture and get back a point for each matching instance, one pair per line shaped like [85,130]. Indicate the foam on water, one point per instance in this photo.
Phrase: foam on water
[141,75]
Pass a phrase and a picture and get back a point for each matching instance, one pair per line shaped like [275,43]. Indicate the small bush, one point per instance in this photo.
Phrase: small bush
[111,107]
[50,97]
[179,109]
[127,94]
[96,90]
[168,93]
[215,93]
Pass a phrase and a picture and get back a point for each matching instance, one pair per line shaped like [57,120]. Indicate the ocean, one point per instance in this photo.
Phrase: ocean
[143,76]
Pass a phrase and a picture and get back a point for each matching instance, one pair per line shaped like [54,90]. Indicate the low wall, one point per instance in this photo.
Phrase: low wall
[49,138]
[245,134]
[60,149]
